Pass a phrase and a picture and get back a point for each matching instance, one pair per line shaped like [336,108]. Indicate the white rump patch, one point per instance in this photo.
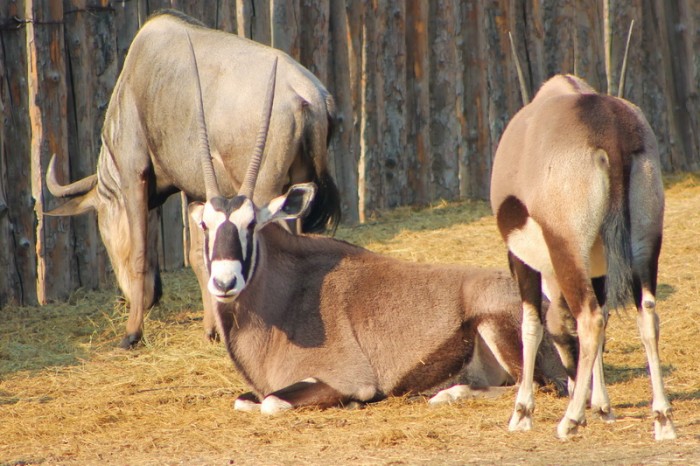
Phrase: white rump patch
[272,405]
[528,244]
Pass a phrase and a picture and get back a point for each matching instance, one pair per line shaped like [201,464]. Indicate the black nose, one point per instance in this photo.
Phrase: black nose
[224,285]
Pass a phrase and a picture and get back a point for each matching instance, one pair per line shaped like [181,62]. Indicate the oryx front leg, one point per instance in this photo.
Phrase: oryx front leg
[309,392]
[136,205]
[530,284]
[648,323]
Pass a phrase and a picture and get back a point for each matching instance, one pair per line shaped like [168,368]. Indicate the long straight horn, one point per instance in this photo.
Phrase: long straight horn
[621,88]
[254,165]
[210,185]
[521,79]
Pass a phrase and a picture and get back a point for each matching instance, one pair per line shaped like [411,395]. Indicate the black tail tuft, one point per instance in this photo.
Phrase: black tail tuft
[325,209]
[618,254]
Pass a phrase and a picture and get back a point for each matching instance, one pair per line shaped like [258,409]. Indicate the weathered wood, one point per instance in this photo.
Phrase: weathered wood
[285,29]
[253,18]
[17,218]
[315,37]
[418,102]
[345,85]
[47,113]
[445,90]
[92,61]
[368,181]
[392,118]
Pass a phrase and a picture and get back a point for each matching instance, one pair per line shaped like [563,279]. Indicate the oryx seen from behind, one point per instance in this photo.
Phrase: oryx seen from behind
[578,197]
[150,129]
[313,321]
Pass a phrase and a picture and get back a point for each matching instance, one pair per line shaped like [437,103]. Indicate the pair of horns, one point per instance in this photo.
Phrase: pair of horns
[210,184]
[521,79]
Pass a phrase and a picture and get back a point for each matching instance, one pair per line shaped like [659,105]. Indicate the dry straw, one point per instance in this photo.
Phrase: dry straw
[67,396]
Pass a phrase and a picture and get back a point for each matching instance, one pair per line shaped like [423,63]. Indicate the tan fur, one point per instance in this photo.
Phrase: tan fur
[368,326]
[571,168]
[150,133]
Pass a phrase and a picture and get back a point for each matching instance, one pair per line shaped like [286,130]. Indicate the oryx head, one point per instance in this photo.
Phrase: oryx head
[230,226]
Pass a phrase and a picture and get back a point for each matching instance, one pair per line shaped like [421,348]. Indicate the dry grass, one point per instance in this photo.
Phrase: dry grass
[67,396]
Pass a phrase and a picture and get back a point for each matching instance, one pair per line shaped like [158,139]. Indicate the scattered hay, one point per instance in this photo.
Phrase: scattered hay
[67,396]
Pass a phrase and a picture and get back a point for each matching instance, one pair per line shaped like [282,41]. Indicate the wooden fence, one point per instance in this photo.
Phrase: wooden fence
[424,90]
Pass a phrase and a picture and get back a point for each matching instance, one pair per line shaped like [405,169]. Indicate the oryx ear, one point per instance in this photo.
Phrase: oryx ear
[196,211]
[291,205]
[77,205]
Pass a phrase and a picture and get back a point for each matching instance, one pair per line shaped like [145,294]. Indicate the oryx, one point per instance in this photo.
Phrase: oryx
[150,129]
[578,197]
[314,321]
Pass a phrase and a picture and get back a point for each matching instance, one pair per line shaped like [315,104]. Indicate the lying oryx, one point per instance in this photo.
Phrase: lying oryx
[313,321]
[578,197]
[150,128]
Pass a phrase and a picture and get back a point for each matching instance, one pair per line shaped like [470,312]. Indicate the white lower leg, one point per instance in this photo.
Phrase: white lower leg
[600,401]
[648,323]
[525,401]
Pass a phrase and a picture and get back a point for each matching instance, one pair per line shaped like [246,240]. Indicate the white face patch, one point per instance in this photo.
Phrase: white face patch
[242,218]
[212,219]
[226,272]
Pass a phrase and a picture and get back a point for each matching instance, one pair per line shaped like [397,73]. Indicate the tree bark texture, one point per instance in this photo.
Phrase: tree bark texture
[423,92]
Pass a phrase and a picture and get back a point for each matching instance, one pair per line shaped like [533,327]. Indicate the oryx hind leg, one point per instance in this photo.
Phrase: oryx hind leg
[648,323]
[530,285]
[306,393]
[576,286]
[600,400]
[646,219]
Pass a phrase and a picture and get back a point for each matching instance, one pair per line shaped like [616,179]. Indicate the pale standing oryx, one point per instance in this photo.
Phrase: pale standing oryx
[150,129]
[313,321]
[578,197]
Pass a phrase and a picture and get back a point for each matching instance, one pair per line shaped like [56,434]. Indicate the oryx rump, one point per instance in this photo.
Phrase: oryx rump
[577,193]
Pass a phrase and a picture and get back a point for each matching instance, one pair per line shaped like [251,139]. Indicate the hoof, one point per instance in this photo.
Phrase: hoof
[663,426]
[130,341]
[522,419]
[242,404]
[568,427]
[272,405]
[604,412]
[211,336]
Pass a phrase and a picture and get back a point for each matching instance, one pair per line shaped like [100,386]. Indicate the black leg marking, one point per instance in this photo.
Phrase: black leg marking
[311,393]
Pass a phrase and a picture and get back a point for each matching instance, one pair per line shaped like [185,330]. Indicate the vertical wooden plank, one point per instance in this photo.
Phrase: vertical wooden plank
[226,15]
[368,182]
[314,39]
[478,138]
[445,72]
[254,20]
[47,113]
[418,102]
[345,31]
[392,117]
[285,28]
[92,62]
[129,16]
[17,218]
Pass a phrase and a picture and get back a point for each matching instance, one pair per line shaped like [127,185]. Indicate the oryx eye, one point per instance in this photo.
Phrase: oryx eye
[203,226]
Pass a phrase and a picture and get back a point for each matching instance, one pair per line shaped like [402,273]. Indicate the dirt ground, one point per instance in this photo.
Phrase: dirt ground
[68,396]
